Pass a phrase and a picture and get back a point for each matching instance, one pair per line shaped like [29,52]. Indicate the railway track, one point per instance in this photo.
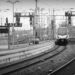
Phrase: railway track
[24,53]
[17,66]
[7,52]
[66,69]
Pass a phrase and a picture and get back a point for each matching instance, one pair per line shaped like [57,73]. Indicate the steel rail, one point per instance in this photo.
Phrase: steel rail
[24,54]
[61,67]
[2,53]
[29,58]
[6,70]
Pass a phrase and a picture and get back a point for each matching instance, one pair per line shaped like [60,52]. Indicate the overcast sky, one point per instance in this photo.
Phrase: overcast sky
[27,4]
[24,5]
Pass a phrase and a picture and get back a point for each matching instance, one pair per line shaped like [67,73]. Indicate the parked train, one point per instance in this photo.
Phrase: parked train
[71,33]
[62,36]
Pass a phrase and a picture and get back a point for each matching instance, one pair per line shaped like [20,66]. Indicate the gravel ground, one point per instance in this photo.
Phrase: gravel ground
[47,66]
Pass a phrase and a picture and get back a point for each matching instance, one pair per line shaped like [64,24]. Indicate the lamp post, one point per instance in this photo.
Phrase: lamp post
[35,20]
[5,10]
[13,2]
[52,22]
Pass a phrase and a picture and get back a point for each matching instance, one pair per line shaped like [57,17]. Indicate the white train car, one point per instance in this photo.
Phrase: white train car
[62,36]
[71,33]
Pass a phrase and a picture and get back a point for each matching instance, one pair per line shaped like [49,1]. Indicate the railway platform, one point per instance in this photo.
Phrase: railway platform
[42,61]
[18,46]
[7,56]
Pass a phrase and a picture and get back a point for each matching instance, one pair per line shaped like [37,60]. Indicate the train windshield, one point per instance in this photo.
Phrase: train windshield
[62,31]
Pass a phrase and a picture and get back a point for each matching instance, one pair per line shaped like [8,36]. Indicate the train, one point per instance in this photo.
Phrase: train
[62,36]
[71,33]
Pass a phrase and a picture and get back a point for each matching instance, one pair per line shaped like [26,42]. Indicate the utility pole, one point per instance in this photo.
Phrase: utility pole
[7,25]
[13,2]
[1,18]
[52,23]
[36,3]
[35,21]
[50,31]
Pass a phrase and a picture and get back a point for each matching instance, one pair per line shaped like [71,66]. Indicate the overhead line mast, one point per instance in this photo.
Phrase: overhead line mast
[36,3]
[35,20]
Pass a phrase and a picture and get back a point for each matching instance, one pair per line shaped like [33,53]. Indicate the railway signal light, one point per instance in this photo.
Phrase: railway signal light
[68,14]
[31,19]
[18,24]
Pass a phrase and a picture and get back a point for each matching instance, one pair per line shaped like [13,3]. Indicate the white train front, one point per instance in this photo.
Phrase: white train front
[62,36]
